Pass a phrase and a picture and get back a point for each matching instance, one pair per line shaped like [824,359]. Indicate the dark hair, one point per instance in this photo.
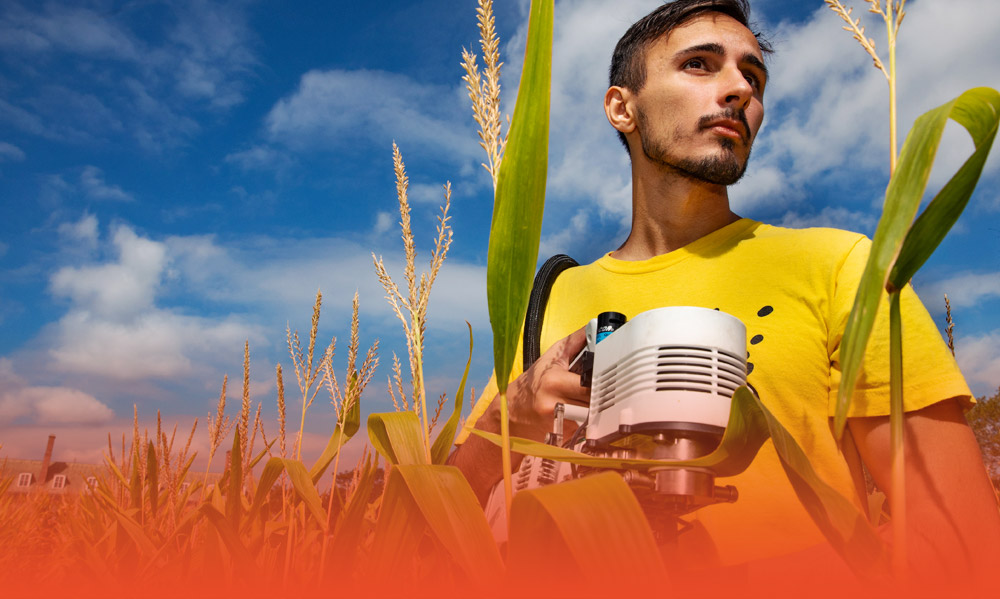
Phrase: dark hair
[628,64]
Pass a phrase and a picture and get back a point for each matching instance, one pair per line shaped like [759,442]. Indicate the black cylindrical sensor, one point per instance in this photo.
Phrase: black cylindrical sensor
[608,322]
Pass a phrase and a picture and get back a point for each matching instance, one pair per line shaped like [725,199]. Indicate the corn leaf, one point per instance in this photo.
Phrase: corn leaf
[520,195]
[152,478]
[975,110]
[745,433]
[135,483]
[352,422]
[272,470]
[240,554]
[396,436]
[306,490]
[347,534]
[118,473]
[440,498]
[260,455]
[750,424]
[445,439]
[135,532]
[978,110]
[844,525]
[398,532]
[235,493]
[582,530]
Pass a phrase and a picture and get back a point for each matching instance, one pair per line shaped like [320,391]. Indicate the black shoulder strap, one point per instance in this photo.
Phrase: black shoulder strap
[540,289]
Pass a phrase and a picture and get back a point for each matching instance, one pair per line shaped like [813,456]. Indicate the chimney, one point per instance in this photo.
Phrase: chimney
[45,461]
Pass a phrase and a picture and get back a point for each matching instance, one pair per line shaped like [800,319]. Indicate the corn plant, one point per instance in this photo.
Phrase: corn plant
[901,244]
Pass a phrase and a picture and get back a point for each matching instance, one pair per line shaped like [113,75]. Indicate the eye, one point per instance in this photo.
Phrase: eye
[694,63]
[752,80]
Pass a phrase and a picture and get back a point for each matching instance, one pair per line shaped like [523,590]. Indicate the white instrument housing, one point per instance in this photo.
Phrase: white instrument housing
[667,369]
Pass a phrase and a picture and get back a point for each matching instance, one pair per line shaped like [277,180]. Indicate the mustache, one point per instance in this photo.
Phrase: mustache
[727,114]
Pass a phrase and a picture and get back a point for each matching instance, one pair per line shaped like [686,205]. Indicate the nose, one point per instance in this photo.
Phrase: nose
[736,90]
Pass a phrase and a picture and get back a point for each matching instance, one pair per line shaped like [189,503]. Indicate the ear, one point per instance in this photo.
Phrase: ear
[619,110]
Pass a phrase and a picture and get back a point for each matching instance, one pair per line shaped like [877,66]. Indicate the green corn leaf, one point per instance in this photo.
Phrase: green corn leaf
[260,455]
[978,110]
[234,504]
[117,472]
[352,422]
[182,473]
[396,436]
[240,554]
[520,195]
[750,424]
[445,439]
[745,433]
[439,498]
[350,525]
[135,532]
[135,482]
[972,110]
[306,490]
[844,525]
[581,531]
[272,470]
[152,478]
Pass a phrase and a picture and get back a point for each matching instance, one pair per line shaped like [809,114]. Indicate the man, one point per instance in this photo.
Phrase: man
[687,86]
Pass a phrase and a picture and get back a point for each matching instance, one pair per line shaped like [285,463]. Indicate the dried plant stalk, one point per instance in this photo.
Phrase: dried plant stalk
[484,91]
[281,410]
[892,14]
[855,27]
[306,371]
[412,309]
[951,325]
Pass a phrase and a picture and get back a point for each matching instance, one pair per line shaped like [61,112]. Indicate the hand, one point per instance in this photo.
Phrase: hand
[532,397]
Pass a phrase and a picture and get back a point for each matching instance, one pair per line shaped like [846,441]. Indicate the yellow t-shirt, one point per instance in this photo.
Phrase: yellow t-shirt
[793,289]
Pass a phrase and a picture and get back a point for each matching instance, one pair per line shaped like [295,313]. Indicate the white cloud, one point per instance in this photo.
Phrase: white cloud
[10,152]
[46,405]
[966,289]
[383,222]
[75,29]
[424,193]
[93,184]
[156,343]
[118,290]
[259,157]
[979,358]
[336,107]
[282,275]
[115,328]
[831,216]
[82,233]
[63,405]
[150,65]
[213,52]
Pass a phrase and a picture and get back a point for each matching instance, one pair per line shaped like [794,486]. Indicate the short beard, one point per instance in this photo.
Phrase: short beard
[725,169]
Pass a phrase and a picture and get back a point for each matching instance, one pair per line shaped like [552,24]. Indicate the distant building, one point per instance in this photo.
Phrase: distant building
[62,478]
[53,477]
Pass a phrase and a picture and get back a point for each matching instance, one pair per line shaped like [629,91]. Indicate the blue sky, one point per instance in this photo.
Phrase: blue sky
[178,177]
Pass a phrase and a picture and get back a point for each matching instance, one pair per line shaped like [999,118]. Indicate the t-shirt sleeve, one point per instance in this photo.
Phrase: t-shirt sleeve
[930,373]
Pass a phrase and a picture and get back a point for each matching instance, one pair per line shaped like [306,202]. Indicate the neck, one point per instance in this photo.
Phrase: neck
[671,210]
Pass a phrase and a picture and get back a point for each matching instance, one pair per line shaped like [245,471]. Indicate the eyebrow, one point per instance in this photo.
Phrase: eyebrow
[714,48]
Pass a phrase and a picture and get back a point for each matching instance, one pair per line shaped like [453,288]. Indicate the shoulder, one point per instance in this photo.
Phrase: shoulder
[819,238]
[823,247]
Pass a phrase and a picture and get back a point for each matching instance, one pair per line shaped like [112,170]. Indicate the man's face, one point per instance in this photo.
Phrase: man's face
[701,105]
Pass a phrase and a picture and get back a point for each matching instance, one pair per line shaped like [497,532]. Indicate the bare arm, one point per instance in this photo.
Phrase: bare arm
[953,522]
[531,399]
